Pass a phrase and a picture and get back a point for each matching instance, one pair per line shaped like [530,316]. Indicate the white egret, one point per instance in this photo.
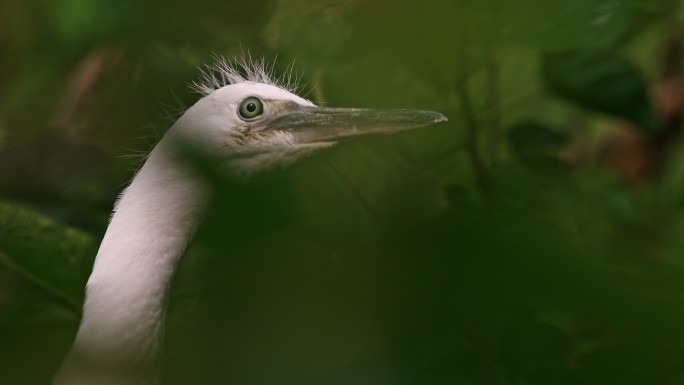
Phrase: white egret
[252,121]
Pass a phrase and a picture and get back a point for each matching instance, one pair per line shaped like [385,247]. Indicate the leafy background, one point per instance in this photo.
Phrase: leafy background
[536,238]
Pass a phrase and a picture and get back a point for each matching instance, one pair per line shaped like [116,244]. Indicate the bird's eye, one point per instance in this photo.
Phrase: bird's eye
[250,108]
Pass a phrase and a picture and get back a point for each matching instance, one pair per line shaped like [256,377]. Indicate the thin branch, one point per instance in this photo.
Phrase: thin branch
[356,189]
[493,112]
[472,140]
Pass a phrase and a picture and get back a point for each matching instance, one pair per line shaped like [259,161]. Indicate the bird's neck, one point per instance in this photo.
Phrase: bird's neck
[123,319]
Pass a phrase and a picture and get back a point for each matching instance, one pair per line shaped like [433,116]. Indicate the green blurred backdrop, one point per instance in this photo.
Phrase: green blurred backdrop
[537,238]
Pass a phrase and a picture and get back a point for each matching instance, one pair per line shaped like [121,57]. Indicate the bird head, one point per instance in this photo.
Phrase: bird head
[257,123]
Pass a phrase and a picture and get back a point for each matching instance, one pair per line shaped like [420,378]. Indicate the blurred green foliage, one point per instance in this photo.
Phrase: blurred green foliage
[537,238]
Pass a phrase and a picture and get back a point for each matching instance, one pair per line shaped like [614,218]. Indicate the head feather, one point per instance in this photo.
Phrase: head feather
[241,69]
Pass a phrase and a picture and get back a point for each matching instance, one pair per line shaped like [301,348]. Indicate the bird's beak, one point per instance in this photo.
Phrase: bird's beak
[320,124]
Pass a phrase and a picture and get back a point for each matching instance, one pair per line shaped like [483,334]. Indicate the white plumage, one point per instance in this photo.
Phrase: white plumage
[249,119]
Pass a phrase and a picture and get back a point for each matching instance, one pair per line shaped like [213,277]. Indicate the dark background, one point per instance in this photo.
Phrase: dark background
[536,238]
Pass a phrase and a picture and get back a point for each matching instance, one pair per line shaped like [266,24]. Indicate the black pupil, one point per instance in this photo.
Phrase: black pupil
[251,107]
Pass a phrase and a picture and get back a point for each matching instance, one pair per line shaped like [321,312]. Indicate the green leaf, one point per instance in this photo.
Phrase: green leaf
[602,81]
[537,145]
[561,24]
[46,253]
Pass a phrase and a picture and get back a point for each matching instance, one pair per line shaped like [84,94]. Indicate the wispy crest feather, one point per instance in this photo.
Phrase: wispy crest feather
[241,69]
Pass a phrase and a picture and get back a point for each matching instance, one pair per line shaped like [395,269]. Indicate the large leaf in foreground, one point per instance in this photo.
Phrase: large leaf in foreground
[53,256]
[602,81]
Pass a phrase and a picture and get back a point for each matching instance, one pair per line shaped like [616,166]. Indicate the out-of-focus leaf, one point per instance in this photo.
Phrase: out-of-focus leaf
[52,256]
[536,351]
[560,24]
[537,145]
[602,81]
